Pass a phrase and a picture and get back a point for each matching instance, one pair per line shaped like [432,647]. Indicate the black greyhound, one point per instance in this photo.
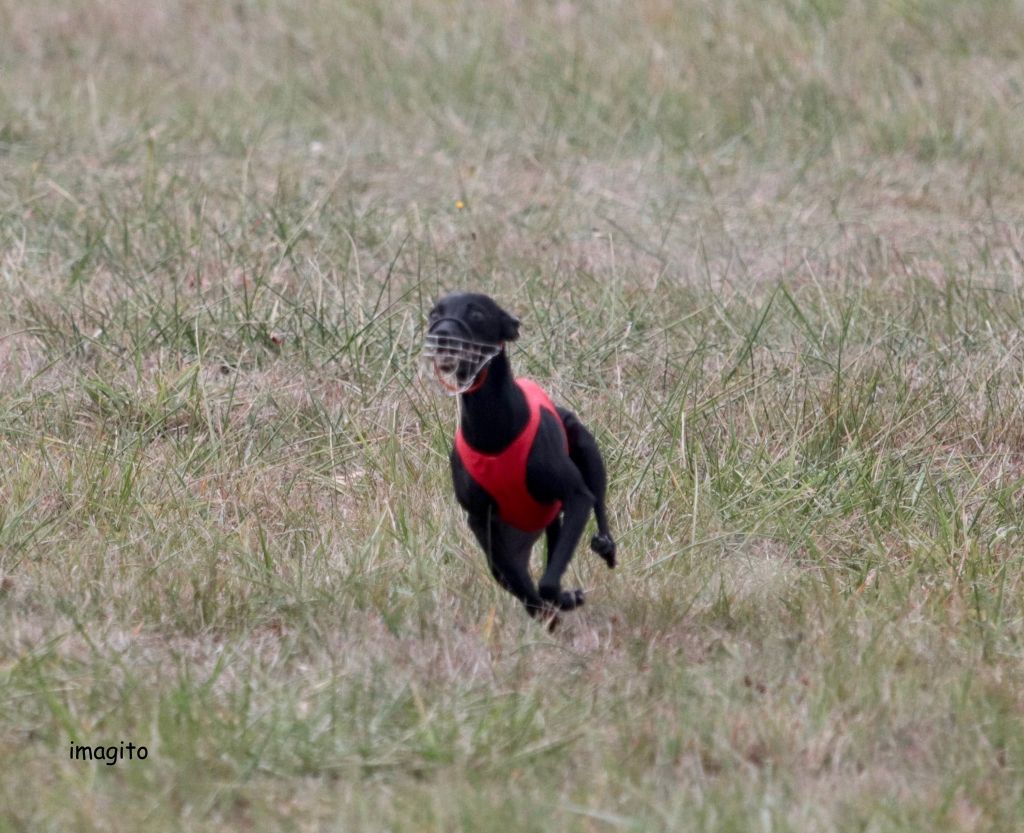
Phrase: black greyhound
[520,466]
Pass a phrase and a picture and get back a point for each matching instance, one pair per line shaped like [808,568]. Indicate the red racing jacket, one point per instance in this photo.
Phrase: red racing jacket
[503,475]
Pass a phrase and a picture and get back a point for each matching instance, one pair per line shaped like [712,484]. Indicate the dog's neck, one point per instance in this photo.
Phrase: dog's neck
[495,413]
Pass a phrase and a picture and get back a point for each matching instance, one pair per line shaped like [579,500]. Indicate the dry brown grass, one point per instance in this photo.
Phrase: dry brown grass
[771,252]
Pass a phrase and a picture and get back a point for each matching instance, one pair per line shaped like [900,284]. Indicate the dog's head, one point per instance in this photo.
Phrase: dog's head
[472,316]
[465,331]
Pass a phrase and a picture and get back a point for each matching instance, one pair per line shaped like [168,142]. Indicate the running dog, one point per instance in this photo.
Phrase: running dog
[520,465]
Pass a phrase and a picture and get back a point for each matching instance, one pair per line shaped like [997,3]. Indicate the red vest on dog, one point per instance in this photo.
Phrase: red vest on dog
[503,475]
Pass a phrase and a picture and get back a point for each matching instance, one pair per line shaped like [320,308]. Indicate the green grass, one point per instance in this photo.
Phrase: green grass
[772,253]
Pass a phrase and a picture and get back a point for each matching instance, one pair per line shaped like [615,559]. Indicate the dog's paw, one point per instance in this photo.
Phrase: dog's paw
[562,599]
[571,599]
[604,546]
[550,593]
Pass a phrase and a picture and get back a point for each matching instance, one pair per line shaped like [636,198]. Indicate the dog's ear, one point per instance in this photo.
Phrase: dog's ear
[509,327]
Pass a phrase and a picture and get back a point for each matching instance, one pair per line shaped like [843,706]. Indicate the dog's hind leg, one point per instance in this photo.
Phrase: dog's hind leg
[583,451]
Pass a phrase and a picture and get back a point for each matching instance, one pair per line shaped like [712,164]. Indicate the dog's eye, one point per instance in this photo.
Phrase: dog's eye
[476,315]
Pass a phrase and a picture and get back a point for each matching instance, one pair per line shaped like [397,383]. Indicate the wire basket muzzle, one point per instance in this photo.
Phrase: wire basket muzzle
[454,362]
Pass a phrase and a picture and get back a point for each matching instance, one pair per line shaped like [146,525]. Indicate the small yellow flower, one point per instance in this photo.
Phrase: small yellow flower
[459,204]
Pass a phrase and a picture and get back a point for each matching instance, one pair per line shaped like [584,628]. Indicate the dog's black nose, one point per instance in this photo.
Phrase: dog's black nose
[450,327]
[442,328]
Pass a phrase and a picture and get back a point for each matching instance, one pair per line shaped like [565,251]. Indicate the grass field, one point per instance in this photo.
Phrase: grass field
[771,252]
